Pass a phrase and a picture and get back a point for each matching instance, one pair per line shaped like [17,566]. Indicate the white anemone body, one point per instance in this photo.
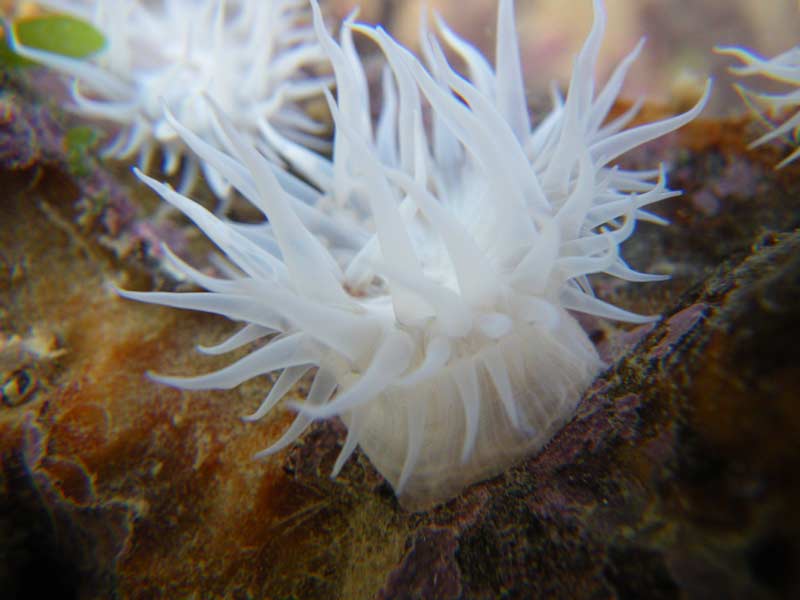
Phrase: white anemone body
[249,56]
[431,272]
[779,111]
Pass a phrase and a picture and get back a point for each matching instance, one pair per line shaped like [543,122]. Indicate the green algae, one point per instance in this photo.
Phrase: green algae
[59,34]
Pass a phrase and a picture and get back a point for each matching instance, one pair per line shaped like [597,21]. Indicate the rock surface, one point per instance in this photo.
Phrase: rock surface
[677,477]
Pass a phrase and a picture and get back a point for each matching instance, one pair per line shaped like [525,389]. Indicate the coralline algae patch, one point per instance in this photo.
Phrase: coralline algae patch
[93,202]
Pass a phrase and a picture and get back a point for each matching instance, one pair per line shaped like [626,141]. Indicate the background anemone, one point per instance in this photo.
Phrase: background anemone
[779,111]
[430,273]
[250,56]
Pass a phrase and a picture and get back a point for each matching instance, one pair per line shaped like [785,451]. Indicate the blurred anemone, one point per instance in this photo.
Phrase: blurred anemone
[252,57]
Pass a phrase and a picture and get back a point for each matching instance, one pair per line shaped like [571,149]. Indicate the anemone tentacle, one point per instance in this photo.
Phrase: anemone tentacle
[778,111]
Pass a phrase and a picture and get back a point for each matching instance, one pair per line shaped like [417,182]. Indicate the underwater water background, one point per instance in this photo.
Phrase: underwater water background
[677,56]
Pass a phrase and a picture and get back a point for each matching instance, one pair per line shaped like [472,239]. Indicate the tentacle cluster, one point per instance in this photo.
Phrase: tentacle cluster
[779,111]
[251,56]
[429,270]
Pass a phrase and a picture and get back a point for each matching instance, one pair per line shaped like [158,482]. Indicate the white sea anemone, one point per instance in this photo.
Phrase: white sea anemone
[431,279]
[248,55]
[779,111]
